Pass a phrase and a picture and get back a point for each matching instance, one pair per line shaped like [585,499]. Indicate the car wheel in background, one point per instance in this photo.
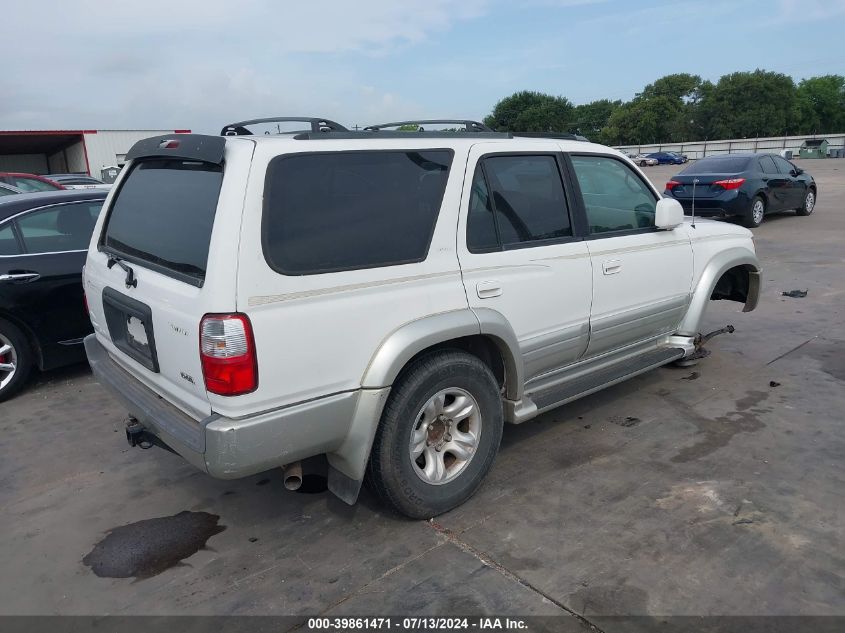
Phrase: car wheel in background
[438,435]
[756,211]
[15,359]
[809,203]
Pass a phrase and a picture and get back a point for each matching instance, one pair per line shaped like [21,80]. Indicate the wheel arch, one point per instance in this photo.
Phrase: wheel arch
[483,332]
[738,271]
[31,337]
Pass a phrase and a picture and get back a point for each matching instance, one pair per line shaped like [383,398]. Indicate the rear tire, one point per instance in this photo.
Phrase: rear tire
[16,359]
[809,203]
[438,436]
[755,214]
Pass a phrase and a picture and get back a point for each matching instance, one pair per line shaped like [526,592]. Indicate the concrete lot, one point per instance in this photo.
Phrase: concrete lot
[716,489]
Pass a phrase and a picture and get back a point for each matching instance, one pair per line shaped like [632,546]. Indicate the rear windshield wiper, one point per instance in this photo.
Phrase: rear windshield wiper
[131,281]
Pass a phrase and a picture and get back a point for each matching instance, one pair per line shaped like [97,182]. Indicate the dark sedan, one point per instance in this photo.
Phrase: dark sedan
[43,242]
[666,158]
[747,186]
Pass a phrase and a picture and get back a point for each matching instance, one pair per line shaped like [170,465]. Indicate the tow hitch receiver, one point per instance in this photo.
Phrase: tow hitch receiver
[138,436]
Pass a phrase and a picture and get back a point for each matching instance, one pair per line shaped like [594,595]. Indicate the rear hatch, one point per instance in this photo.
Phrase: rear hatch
[149,278]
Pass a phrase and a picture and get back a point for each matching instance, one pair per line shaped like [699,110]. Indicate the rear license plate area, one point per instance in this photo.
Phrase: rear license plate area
[130,324]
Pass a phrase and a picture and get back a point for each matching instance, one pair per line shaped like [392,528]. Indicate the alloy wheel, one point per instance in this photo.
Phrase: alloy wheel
[446,435]
[8,361]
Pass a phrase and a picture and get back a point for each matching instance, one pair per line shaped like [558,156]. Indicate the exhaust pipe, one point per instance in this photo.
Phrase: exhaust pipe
[293,475]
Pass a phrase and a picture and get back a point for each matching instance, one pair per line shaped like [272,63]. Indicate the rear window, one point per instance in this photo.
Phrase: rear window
[718,165]
[351,210]
[163,215]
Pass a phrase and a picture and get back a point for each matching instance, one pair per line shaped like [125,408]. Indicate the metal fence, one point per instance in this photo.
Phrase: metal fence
[773,144]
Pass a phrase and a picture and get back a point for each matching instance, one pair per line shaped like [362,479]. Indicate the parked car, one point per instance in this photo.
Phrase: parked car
[682,158]
[29,183]
[6,190]
[644,160]
[78,181]
[381,303]
[666,158]
[747,186]
[43,241]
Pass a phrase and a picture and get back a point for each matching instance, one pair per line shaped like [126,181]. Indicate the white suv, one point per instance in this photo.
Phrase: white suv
[386,299]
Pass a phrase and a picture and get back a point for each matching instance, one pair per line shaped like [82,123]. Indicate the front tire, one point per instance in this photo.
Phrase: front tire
[809,203]
[755,214]
[438,436]
[16,359]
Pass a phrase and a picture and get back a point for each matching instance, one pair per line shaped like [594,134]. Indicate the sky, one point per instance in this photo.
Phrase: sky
[200,64]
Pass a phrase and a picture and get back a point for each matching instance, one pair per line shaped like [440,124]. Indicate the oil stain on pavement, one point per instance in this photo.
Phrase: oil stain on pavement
[147,548]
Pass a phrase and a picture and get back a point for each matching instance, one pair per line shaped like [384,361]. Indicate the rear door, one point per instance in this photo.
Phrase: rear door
[777,185]
[641,275]
[149,278]
[520,254]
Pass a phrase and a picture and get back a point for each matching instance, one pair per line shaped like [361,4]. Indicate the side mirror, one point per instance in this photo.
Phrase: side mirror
[668,214]
[796,171]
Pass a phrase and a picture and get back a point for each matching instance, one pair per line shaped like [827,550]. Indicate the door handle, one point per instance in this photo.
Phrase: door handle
[488,289]
[611,266]
[19,278]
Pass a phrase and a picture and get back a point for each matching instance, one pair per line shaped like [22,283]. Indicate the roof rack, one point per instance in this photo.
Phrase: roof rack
[564,136]
[469,125]
[385,134]
[317,125]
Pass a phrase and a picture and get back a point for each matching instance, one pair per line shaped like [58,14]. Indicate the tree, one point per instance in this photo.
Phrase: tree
[750,104]
[822,104]
[591,118]
[642,121]
[529,111]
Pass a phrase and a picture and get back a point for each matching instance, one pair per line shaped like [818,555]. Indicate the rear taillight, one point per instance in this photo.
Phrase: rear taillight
[672,184]
[227,350]
[730,183]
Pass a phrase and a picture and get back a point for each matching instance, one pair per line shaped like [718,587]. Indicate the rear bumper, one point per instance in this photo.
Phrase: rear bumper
[727,204]
[229,448]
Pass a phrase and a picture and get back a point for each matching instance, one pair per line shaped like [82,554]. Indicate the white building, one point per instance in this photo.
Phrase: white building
[69,151]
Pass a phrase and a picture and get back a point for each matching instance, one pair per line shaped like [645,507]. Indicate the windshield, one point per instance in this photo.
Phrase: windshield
[163,215]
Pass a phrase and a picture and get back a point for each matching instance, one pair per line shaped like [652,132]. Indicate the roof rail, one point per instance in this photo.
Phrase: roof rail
[553,135]
[386,134]
[469,125]
[317,125]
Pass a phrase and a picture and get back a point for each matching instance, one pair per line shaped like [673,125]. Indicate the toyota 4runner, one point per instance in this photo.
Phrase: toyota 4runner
[386,299]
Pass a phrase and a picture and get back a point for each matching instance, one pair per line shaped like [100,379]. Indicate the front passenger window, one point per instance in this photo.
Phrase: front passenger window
[615,198]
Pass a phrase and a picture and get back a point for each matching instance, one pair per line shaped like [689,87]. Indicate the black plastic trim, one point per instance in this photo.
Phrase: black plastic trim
[385,134]
[117,307]
[469,125]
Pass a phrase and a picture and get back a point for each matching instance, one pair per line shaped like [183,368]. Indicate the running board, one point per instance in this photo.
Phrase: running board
[592,382]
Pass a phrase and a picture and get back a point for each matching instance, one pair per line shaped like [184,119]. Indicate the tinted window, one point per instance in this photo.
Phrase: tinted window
[64,227]
[481,226]
[8,245]
[784,166]
[31,185]
[718,165]
[6,192]
[164,213]
[768,165]
[614,196]
[528,197]
[351,210]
